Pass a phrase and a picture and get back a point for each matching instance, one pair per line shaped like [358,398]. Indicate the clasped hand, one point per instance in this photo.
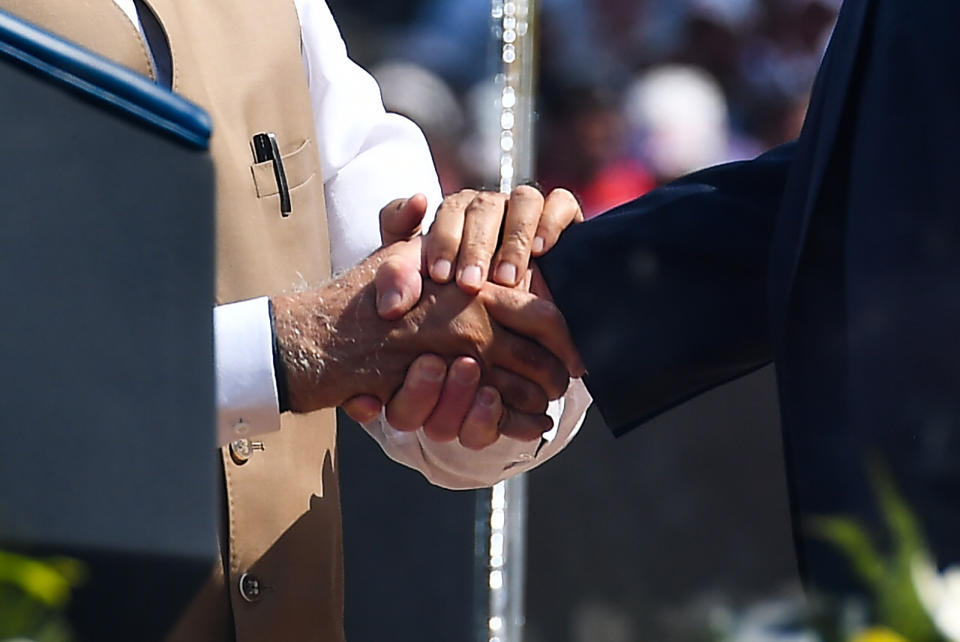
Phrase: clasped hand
[418,327]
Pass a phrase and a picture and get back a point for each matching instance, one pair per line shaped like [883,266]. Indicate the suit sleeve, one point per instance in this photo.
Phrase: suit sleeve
[666,296]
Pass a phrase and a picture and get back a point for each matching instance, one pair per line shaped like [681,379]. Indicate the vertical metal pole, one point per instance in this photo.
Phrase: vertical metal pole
[501,519]
[517,79]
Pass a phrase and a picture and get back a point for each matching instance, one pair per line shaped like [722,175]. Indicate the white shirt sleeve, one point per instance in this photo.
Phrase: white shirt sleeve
[452,466]
[368,157]
[243,355]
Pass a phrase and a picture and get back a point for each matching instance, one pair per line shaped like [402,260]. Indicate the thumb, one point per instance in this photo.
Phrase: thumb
[400,219]
[536,318]
[362,408]
[398,282]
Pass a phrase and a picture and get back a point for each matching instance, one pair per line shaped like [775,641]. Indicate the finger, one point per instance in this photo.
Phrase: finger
[534,317]
[517,392]
[560,210]
[398,283]
[525,427]
[529,278]
[362,408]
[535,284]
[412,404]
[530,360]
[457,395]
[481,425]
[481,231]
[523,216]
[443,240]
[400,219]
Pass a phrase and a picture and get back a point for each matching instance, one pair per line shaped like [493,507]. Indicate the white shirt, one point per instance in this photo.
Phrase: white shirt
[369,157]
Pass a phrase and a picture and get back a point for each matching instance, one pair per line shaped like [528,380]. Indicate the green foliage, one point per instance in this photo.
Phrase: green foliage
[33,594]
[886,575]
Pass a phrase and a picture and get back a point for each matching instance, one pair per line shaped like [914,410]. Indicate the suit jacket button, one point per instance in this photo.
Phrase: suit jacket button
[250,588]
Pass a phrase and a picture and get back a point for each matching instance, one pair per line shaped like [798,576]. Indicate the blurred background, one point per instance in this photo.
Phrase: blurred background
[679,531]
[632,92]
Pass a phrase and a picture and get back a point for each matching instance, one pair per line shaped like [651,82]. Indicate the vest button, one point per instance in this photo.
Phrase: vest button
[250,588]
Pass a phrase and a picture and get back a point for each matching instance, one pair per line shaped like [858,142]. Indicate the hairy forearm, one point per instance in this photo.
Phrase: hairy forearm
[327,339]
[332,344]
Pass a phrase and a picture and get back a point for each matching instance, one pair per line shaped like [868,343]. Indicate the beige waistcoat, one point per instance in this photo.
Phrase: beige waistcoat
[240,60]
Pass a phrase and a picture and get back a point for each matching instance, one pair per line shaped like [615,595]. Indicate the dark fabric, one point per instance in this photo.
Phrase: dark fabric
[107,404]
[838,257]
[279,371]
[157,41]
[634,279]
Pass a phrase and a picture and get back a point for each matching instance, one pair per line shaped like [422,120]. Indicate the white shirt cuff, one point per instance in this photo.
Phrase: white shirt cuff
[452,466]
[247,402]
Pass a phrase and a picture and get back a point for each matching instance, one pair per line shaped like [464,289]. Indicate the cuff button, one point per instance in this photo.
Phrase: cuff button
[242,449]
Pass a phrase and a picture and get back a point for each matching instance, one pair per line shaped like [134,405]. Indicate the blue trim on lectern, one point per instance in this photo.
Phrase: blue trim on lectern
[103,80]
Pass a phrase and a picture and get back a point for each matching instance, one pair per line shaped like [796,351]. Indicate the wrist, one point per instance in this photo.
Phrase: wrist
[326,340]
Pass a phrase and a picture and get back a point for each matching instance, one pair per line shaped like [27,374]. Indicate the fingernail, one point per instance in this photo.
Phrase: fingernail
[389,301]
[487,397]
[507,273]
[432,370]
[465,375]
[539,244]
[472,276]
[441,269]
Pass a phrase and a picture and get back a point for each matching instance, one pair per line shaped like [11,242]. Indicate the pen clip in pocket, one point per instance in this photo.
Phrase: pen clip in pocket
[265,148]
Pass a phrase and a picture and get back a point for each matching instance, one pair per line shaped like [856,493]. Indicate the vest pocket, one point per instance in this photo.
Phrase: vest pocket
[300,165]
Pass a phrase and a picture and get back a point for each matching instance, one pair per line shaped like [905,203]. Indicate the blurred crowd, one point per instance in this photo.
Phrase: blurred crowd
[632,93]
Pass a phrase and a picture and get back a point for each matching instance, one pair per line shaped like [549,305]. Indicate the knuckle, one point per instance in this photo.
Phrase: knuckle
[525,397]
[488,199]
[562,194]
[565,209]
[526,193]
[478,248]
[442,241]
[516,241]
[464,195]
[457,201]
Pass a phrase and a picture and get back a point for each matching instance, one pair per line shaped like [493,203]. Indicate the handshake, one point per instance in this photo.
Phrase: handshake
[453,331]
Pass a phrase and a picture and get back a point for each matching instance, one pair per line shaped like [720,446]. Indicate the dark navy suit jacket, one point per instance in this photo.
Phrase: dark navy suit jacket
[837,257]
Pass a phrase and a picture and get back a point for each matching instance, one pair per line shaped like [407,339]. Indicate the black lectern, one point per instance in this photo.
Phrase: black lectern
[106,364]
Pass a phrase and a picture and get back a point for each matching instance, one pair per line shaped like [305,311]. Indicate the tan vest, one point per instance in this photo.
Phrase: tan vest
[241,61]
